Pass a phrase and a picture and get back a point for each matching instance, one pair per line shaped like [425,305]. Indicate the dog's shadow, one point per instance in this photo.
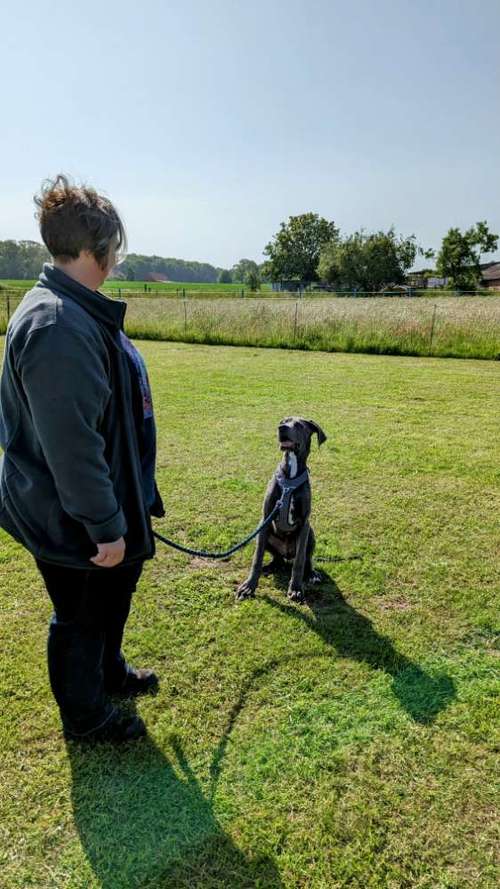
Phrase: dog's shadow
[352,635]
[145,822]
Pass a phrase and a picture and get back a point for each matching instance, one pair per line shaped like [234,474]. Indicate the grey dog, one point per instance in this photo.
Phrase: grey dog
[289,535]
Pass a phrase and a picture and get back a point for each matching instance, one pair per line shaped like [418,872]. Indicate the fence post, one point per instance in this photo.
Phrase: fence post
[8,306]
[432,325]
[295,321]
[185,317]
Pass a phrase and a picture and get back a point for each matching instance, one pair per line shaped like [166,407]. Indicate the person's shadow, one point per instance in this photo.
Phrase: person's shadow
[352,635]
[145,823]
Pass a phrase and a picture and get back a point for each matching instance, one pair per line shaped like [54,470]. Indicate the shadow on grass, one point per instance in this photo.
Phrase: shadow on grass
[352,635]
[147,824]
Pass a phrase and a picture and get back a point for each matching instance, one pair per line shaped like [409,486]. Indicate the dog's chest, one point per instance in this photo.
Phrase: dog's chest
[285,545]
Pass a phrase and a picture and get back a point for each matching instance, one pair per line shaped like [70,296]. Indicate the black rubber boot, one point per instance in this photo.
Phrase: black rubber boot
[137,682]
[119,728]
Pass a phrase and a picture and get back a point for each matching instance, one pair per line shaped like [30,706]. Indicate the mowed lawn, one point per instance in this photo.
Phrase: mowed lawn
[347,742]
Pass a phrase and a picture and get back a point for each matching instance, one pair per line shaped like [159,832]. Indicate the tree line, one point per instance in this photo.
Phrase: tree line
[307,249]
[24,259]
[137,267]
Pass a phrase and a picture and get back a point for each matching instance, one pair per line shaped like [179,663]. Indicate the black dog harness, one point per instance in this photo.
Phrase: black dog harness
[288,486]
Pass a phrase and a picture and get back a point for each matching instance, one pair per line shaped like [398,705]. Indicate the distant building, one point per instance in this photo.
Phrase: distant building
[435,281]
[417,279]
[289,286]
[490,275]
[156,278]
[422,280]
[397,290]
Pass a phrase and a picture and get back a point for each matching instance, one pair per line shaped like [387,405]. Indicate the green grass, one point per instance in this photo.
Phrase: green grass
[347,742]
[448,327]
[167,288]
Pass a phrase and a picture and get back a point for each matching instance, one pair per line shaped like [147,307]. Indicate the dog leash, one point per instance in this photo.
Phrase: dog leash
[206,555]
[287,486]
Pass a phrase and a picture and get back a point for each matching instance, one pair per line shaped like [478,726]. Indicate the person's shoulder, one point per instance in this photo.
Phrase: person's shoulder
[46,321]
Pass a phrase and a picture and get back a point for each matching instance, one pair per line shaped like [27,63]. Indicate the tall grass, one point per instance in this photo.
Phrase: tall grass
[448,327]
[445,327]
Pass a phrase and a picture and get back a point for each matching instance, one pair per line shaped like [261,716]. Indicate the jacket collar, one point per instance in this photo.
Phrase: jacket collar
[103,308]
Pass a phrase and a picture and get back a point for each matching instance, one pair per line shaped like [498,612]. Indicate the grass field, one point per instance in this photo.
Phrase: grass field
[466,327]
[449,327]
[166,288]
[347,742]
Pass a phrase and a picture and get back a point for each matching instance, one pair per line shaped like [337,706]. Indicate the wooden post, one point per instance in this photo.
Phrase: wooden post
[295,321]
[432,325]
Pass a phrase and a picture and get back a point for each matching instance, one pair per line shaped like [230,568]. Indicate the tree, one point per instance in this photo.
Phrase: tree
[367,261]
[253,280]
[295,250]
[242,270]
[137,268]
[460,256]
[225,277]
[22,259]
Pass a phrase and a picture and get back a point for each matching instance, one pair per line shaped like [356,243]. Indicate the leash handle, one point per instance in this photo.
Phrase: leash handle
[206,555]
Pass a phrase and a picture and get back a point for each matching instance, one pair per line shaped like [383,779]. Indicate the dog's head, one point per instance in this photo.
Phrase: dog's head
[295,433]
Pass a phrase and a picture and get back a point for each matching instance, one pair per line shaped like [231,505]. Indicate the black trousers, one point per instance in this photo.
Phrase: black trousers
[84,642]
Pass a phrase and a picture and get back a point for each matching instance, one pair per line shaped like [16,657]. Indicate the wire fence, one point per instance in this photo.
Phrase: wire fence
[11,296]
[378,323]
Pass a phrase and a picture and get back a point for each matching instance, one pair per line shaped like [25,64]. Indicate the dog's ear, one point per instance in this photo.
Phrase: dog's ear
[315,428]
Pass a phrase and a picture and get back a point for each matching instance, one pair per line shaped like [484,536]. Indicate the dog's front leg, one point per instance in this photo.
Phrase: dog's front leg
[296,585]
[247,589]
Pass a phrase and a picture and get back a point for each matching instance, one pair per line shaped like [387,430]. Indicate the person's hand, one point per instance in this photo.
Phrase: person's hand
[109,554]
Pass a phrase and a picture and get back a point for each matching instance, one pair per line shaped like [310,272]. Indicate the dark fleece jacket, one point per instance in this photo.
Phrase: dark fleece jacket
[70,475]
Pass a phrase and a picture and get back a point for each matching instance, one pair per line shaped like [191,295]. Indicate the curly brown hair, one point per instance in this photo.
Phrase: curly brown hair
[73,218]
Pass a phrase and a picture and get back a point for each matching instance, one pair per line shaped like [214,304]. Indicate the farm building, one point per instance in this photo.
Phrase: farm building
[490,276]
[156,277]
[422,280]
[397,290]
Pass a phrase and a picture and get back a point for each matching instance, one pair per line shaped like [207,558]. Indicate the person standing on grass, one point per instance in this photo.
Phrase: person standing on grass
[77,476]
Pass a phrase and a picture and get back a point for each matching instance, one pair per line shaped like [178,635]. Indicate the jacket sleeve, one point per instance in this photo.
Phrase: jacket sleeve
[66,385]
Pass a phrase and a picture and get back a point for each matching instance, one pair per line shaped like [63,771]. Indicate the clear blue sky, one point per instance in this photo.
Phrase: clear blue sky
[210,122]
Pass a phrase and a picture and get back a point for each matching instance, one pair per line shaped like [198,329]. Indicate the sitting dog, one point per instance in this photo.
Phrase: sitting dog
[289,535]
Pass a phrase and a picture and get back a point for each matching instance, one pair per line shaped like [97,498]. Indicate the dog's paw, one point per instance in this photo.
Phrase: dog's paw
[246,590]
[295,595]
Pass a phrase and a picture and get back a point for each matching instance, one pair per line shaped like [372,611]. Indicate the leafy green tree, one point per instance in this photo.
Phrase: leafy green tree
[460,256]
[225,277]
[242,270]
[367,262]
[137,267]
[295,250]
[253,279]
[22,259]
